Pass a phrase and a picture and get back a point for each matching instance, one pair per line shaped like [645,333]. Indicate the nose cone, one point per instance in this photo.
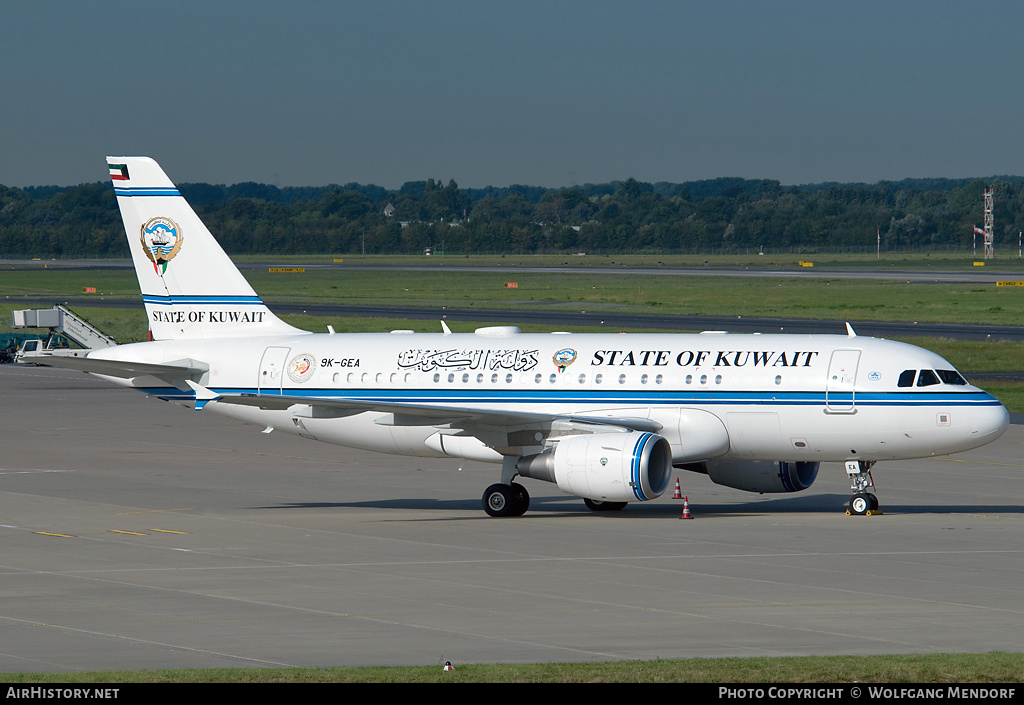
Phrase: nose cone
[988,422]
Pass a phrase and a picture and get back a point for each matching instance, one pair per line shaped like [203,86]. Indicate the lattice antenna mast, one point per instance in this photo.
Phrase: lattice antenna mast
[989,226]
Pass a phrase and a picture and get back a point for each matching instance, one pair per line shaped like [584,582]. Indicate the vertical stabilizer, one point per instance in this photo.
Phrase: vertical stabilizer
[189,285]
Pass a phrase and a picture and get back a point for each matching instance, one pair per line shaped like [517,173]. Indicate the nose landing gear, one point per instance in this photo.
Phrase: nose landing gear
[862,502]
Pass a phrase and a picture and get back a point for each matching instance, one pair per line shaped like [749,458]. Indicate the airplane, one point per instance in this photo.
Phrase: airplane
[605,417]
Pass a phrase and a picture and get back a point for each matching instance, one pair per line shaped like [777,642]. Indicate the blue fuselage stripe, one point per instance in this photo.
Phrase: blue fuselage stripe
[590,397]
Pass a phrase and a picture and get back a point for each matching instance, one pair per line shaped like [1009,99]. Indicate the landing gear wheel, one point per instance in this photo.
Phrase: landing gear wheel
[498,500]
[861,503]
[596,505]
[873,500]
[506,501]
[521,500]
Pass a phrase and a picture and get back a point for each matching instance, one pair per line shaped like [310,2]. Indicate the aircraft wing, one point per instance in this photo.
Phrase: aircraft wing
[182,373]
[419,414]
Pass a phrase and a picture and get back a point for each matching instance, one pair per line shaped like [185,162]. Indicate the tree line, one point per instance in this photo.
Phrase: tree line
[725,215]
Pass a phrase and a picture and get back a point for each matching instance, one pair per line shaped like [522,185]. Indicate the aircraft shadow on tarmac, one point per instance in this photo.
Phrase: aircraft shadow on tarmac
[569,506]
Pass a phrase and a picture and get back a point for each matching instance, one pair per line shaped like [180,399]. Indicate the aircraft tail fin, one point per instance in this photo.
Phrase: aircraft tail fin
[190,286]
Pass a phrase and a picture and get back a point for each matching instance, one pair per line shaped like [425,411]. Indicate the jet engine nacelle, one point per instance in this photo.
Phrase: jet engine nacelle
[611,467]
[759,476]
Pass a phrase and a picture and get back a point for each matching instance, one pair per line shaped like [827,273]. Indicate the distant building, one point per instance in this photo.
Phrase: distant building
[389,210]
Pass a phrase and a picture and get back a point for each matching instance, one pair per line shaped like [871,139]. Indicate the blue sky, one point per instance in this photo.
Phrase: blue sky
[545,93]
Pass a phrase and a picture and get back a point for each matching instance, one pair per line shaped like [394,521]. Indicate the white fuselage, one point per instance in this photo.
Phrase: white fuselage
[757,397]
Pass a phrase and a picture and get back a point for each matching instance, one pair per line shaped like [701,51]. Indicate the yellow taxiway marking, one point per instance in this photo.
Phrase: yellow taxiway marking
[981,462]
[112,531]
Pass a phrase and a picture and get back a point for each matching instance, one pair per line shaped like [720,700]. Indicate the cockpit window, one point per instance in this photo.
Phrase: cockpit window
[927,378]
[952,377]
[906,378]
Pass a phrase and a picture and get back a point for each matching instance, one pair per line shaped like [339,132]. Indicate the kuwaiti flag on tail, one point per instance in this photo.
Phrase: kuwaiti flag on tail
[118,172]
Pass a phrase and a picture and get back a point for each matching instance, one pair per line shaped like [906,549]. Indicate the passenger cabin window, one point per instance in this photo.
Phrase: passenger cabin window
[906,378]
[927,378]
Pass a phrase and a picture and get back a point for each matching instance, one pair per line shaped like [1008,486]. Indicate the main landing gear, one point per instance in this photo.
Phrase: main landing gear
[862,502]
[506,498]
[510,500]
[513,500]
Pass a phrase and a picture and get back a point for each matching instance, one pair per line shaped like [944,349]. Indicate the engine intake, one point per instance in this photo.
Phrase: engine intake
[612,467]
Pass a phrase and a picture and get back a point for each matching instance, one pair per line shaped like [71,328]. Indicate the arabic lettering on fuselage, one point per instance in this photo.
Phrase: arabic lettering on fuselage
[454,359]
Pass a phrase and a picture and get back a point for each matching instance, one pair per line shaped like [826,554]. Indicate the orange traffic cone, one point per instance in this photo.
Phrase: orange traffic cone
[686,509]
[678,494]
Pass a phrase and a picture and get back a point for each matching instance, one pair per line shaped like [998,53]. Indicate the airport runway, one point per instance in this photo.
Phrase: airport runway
[137,534]
[600,266]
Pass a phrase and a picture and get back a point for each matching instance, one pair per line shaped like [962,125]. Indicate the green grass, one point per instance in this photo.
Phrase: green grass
[974,355]
[1010,394]
[822,298]
[993,667]
[829,299]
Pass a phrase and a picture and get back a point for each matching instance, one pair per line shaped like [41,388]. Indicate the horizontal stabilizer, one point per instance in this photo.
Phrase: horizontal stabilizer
[126,369]
[177,373]
[203,395]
